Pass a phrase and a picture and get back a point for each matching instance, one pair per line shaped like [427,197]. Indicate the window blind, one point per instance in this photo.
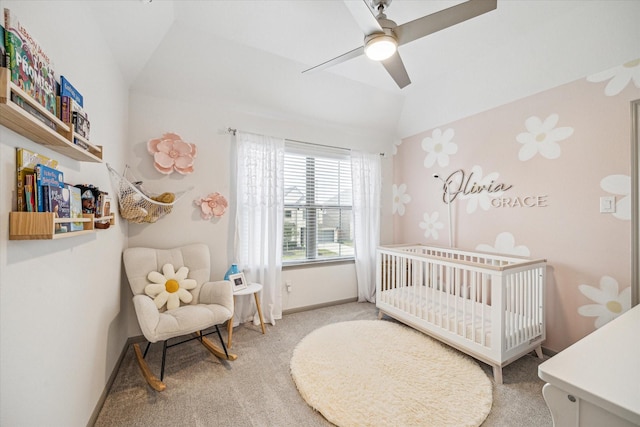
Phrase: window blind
[318,223]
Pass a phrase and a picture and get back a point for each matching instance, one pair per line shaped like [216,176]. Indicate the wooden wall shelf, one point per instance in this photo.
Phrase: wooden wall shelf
[42,225]
[60,140]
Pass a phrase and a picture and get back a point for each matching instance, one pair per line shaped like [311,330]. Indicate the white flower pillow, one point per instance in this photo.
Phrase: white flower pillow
[170,287]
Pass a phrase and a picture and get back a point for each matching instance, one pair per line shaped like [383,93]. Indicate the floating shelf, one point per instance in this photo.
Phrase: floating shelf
[19,120]
[42,225]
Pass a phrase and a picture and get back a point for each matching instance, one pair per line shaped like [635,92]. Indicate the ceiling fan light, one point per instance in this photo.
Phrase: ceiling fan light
[380,47]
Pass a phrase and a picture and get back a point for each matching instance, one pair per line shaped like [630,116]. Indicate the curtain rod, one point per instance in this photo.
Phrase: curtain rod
[233,131]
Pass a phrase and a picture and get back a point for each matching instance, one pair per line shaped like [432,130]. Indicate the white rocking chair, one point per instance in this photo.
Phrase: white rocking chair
[211,306]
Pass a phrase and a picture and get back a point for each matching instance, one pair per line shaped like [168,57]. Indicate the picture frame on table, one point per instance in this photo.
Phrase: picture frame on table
[238,281]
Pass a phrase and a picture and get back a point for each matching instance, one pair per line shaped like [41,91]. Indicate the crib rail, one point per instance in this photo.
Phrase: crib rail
[493,304]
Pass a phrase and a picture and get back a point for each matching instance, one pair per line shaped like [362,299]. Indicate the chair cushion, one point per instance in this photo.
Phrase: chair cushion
[188,319]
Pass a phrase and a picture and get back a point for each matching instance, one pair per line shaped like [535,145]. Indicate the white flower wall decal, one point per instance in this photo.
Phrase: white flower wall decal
[431,225]
[439,147]
[619,185]
[400,198]
[481,198]
[609,303]
[542,137]
[619,77]
[505,244]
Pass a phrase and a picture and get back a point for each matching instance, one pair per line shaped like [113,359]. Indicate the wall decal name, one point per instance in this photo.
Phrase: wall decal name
[460,183]
[520,202]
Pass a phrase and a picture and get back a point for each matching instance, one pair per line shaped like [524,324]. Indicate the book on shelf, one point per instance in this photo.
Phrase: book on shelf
[46,176]
[26,161]
[3,49]
[44,199]
[67,89]
[29,66]
[75,207]
[17,99]
[29,195]
[81,123]
[59,205]
[64,105]
[80,143]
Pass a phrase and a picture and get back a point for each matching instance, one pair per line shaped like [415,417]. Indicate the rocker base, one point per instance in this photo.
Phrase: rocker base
[153,381]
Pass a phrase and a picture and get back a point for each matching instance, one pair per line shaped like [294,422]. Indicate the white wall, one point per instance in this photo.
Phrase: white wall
[61,324]
[205,125]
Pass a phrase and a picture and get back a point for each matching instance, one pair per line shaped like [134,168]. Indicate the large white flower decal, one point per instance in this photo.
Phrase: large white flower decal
[480,198]
[619,185]
[505,244]
[620,77]
[610,303]
[542,137]
[431,225]
[400,198]
[439,147]
[170,287]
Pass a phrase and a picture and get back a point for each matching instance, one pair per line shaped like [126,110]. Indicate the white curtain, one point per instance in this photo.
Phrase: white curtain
[259,221]
[366,177]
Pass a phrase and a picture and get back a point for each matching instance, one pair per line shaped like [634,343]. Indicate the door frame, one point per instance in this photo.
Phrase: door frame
[635,202]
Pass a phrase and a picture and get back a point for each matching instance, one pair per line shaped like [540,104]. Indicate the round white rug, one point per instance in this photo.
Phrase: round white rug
[379,373]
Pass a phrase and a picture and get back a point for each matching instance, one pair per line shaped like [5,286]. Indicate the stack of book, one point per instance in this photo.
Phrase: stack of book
[71,111]
[41,188]
[32,71]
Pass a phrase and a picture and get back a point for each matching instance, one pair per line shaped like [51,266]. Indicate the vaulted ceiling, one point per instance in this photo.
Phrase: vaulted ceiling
[249,55]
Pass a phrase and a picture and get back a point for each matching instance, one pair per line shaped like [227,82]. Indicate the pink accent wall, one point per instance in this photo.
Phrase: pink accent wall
[570,145]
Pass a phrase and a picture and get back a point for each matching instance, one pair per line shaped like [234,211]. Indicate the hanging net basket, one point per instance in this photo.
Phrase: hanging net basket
[138,205]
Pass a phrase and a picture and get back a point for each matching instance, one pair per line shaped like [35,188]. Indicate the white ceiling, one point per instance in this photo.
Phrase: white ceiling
[250,54]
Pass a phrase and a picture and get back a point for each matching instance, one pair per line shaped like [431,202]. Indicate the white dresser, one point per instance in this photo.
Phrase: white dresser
[596,381]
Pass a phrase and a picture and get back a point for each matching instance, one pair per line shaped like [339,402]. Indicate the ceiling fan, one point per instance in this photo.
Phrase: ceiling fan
[383,36]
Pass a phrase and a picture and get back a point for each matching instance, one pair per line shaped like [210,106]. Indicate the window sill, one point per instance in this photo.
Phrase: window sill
[316,263]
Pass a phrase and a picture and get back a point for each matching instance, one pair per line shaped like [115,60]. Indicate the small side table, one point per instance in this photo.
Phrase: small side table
[252,288]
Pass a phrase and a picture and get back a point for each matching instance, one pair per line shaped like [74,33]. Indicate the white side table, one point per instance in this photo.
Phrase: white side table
[252,288]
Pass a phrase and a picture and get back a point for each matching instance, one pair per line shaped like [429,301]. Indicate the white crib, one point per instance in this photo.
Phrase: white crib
[488,306]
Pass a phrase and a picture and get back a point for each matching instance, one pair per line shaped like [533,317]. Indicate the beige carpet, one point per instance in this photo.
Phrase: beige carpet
[374,372]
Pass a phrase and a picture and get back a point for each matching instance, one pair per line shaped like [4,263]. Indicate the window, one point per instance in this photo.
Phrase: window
[318,224]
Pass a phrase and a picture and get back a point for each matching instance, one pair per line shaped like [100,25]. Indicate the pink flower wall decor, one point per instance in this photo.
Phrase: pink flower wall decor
[212,205]
[171,153]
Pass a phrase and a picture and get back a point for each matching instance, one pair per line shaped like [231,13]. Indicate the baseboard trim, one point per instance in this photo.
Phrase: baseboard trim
[112,377]
[315,306]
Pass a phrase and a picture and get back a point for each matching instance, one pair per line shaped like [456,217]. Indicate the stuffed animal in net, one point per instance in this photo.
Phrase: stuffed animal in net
[156,211]
[136,208]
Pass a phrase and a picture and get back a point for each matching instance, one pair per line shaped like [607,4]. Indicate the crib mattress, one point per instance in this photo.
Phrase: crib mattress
[460,316]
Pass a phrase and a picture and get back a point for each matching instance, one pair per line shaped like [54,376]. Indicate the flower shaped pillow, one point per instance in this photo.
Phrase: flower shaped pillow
[170,287]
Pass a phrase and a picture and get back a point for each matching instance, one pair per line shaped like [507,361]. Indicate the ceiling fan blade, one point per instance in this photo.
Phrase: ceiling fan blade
[363,16]
[445,18]
[338,59]
[395,68]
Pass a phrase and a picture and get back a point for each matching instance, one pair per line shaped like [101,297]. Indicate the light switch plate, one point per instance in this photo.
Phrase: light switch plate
[608,204]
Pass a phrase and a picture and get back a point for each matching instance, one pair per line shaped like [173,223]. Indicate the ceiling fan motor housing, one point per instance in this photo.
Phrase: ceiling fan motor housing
[380,5]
